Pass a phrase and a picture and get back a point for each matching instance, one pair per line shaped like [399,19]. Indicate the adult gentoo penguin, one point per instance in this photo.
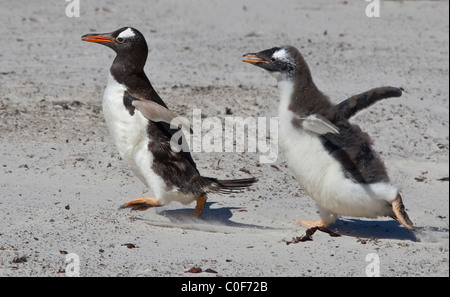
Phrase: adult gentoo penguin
[139,122]
[332,159]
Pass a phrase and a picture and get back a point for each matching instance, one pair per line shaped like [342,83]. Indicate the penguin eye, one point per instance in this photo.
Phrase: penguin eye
[273,59]
[120,39]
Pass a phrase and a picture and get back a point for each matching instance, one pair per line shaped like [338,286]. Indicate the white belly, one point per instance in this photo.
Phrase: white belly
[322,176]
[128,132]
[130,136]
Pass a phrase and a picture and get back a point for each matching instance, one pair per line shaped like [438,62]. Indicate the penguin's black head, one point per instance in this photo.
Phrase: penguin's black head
[281,62]
[126,42]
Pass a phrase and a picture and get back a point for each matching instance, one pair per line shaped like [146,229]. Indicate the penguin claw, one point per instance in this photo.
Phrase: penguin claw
[200,207]
[313,224]
[400,213]
[141,204]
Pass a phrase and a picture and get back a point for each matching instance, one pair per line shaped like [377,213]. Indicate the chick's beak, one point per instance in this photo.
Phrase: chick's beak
[254,59]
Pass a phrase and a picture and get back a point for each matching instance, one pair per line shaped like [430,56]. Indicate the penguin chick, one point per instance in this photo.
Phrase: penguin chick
[332,159]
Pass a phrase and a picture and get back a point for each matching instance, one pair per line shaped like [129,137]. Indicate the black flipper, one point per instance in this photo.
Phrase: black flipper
[354,104]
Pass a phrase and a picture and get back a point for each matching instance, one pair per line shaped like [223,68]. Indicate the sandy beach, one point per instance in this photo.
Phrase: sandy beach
[62,180]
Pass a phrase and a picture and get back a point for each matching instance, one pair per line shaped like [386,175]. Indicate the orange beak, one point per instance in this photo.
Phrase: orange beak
[253,59]
[96,38]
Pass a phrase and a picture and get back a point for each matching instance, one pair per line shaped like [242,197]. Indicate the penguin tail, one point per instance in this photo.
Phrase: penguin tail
[229,186]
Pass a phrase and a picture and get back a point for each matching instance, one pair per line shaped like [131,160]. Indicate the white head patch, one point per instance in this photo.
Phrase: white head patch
[127,33]
[281,55]
[285,74]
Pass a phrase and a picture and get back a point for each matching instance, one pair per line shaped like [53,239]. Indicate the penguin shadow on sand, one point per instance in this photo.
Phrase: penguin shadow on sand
[211,220]
[374,229]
